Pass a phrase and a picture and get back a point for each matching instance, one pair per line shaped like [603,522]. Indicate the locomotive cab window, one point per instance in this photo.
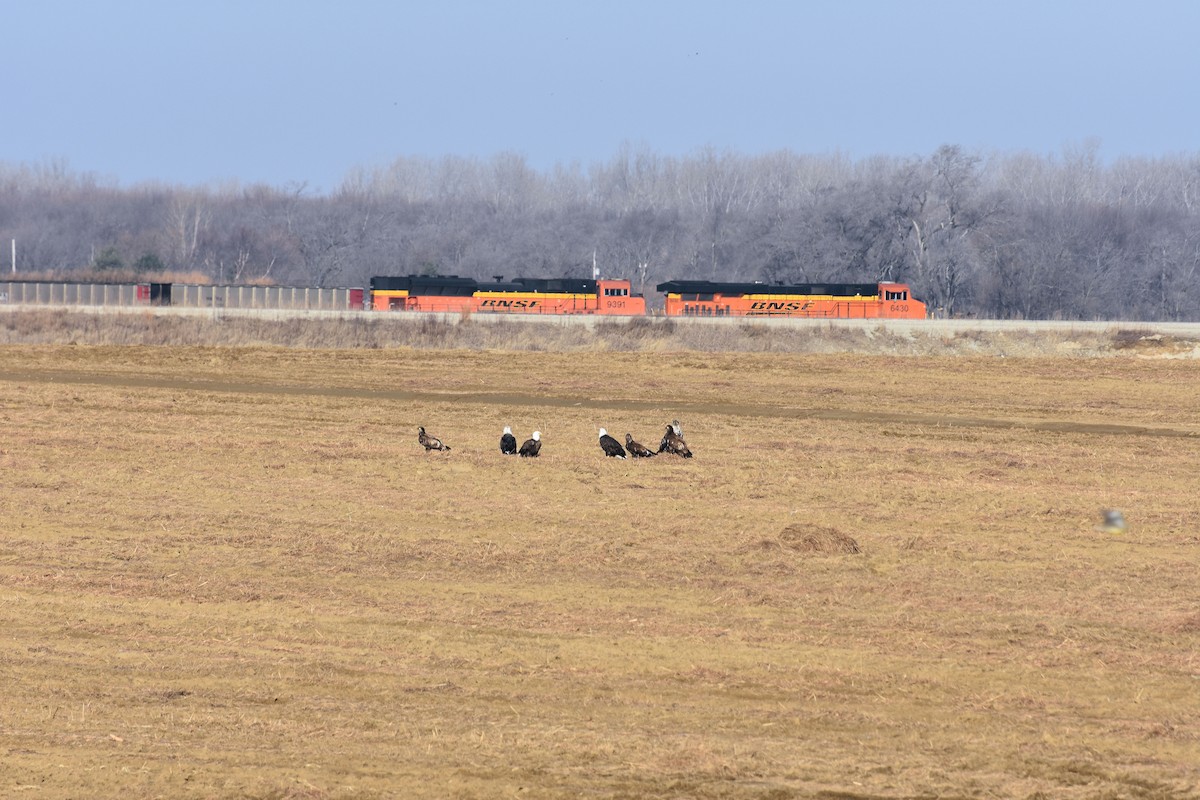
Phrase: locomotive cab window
[621,292]
[895,295]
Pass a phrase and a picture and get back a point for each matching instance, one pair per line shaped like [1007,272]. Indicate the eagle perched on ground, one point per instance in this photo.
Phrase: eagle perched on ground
[508,442]
[533,446]
[637,450]
[610,446]
[430,442]
[672,442]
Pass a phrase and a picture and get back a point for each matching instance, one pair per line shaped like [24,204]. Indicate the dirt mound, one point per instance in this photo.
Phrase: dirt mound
[809,539]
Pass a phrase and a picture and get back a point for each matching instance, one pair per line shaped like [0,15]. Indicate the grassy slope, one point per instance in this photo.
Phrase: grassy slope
[232,572]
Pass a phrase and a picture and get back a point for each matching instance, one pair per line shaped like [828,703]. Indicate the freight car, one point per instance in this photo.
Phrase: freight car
[184,295]
[820,300]
[449,293]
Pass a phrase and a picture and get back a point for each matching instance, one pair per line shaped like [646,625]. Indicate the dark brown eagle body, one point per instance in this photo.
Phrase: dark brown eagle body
[637,450]
[508,442]
[532,447]
[430,442]
[674,443]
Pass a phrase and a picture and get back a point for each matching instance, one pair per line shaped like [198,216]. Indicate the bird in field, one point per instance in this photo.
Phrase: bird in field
[662,445]
[430,442]
[610,446]
[1112,521]
[637,450]
[532,447]
[674,443]
[508,442]
[675,426]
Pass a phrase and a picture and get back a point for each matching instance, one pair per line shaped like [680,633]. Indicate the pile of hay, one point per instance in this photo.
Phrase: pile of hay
[817,539]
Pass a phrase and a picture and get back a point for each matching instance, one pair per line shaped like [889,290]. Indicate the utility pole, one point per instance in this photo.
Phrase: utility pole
[14,256]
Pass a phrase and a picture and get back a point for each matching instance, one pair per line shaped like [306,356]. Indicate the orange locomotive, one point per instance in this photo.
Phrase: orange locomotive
[819,300]
[453,294]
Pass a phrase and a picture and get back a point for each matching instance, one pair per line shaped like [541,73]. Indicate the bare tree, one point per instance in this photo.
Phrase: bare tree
[187,221]
[1015,234]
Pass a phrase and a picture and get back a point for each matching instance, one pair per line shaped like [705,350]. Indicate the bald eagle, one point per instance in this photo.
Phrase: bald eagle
[610,445]
[533,446]
[508,442]
[673,443]
[637,450]
[430,442]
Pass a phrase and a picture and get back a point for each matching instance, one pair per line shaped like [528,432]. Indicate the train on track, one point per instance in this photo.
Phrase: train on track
[827,301]
[519,296]
[452,294]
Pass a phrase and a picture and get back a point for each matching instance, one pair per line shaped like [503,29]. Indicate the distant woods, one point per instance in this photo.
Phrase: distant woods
[1005,236]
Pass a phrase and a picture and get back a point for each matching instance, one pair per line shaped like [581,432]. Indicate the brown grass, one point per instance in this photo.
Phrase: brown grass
[232,572]
[638,335]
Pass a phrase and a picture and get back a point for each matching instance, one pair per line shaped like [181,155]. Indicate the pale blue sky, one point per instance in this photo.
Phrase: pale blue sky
[303,91]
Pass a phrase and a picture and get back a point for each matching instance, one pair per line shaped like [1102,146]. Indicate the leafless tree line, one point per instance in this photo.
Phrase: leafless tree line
[1005,236]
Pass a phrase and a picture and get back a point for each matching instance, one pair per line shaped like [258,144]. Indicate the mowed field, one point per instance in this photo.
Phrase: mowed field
[232,572]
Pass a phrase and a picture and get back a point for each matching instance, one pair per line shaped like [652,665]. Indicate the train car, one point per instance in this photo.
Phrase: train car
[817,300]
[452,294]
[72,293]
[185,295]
[295,298]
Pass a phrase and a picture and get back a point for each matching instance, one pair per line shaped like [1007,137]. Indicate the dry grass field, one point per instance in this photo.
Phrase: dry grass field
[232,572]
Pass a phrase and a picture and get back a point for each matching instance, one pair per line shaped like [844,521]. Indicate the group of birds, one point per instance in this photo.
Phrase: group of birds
[530,449]
[1112,520]
[508,443]
[672,442]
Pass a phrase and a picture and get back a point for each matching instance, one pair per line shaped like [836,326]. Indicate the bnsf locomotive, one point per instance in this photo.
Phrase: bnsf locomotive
[451,294]
[824,300]
[519,296]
